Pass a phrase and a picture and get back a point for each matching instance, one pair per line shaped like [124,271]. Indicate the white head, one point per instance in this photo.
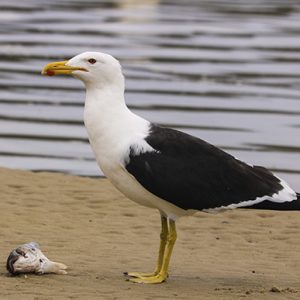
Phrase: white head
[95,69]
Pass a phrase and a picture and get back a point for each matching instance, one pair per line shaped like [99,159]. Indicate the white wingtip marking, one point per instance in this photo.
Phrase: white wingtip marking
[286,194]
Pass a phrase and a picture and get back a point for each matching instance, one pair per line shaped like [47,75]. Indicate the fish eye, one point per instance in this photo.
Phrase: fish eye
[92,61]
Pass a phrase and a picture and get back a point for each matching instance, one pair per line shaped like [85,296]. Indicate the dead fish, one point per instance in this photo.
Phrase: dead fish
[29,258]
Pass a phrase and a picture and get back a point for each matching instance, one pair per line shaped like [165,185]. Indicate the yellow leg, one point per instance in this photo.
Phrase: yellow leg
[163,242]
[162,275]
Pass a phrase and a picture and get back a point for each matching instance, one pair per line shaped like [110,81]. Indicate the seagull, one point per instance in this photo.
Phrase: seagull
[160,167]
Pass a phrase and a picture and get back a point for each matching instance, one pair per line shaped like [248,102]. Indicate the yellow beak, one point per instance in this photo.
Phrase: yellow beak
[60,68]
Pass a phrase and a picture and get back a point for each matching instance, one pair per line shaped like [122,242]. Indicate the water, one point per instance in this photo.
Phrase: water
[225,71]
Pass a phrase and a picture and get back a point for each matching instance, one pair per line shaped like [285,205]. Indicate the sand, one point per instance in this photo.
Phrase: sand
[88,225]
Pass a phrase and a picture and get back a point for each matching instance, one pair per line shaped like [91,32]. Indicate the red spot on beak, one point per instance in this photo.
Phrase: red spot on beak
[50,73]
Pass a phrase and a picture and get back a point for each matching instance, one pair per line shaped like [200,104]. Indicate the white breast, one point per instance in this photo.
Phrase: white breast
[111,134]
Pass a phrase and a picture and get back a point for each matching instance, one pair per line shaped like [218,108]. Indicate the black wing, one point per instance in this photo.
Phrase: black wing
[193,174]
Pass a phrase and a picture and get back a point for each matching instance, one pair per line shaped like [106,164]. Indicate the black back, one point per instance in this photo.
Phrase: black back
[193,174]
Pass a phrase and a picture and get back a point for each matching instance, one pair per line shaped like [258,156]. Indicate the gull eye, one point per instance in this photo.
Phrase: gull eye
[92,61]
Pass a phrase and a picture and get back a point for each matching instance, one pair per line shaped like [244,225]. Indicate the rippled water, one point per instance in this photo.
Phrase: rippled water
[225,71]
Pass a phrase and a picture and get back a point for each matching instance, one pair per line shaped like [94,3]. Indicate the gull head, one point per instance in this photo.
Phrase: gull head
[95,69]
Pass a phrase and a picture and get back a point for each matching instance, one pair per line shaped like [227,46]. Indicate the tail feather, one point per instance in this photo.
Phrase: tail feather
[292,205]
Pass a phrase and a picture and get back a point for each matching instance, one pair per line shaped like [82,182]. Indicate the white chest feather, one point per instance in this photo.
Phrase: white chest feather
[113,130]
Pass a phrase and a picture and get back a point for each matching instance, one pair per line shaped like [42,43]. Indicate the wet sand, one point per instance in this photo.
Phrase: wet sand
[88,225]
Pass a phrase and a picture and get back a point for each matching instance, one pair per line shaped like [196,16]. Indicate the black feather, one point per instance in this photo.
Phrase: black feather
[193,174]
[293,205]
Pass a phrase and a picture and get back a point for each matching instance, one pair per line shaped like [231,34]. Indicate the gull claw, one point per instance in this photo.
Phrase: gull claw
[29,258]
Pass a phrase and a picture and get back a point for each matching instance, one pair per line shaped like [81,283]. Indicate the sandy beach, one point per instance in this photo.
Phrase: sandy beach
[88,225]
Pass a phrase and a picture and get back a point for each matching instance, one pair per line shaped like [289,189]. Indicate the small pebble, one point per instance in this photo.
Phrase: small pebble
[275,289]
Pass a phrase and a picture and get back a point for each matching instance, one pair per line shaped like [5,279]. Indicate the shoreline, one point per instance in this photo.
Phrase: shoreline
[98,233]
